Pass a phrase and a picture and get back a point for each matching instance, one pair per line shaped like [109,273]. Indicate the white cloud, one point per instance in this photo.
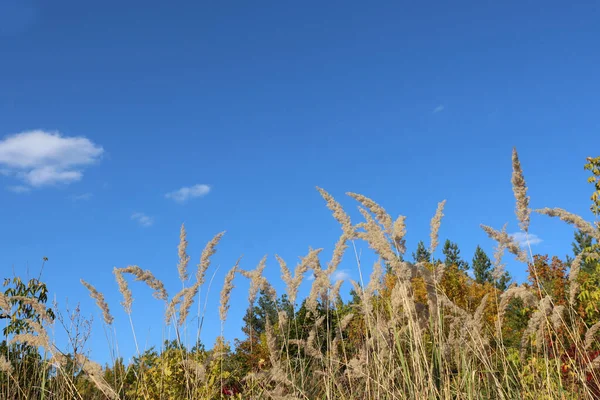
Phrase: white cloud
[185,193]
[439,108]
[341,275]
[41,158]
[521,239]
[142,219]
[19,189]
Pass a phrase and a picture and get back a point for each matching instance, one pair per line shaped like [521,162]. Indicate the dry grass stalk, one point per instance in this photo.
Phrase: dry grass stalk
[310,345]
[520,190]
[5,365]
[283,319]
[319,287]
[187,295]
[347,230]
[436,222]
[100,302]
[399,234]
[338,253]
[257,280]
[293,283]
[124,290]
[4,303]
[59,360]
[209,250]
[184,259]
[41,338]
[374,284]
[590,335]
[33,303]
[499,266]
[338,212]
[536,324]
[505,240]
[95,374]
[375,237]
[573,274]
[593,365]
[431,280]
[334,294]
[526,295]
[573,219]
[226,292]
[380,214]
[274,353]
[195,368]
[357,365]
[558,317]
[175,301]
[478,316]
[148,278]
[345,321]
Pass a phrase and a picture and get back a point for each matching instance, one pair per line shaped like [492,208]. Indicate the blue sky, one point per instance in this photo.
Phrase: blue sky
[121,120]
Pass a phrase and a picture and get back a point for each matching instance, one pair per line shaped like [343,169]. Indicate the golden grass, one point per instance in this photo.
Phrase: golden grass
[407,336]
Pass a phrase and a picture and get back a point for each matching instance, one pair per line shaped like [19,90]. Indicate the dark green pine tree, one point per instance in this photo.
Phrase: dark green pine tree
[452,256]
[422,254]
[255,320]
[482,267]
[582,241]
[503,281]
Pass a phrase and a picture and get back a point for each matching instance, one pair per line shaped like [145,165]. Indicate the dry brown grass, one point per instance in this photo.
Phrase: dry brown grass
[406,337]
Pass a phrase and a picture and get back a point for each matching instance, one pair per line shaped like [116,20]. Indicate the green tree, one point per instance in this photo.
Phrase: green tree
[23,311]
[452,256]
[252,351]
[502,282]
[422,254]
[482,267]
[593,165]
[582,242]
[28,365]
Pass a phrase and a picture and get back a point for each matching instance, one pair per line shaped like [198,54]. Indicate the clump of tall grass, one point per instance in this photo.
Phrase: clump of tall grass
[405,334]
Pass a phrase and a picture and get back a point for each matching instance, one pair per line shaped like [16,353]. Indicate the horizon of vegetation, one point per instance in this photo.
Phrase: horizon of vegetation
[427,328]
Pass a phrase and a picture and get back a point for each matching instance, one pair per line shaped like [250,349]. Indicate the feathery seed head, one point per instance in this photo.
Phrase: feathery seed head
[399,233]
[5,365]
[124,290]
[189,293]
[338,212]
[100,302]
[572,219]
[226,292]
[148,278]
[184,259]
[505,240]
[520,190]
[380,214]
[207,253]
[4,303]
[436,222]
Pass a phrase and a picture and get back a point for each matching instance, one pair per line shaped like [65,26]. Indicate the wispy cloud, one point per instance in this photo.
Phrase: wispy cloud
[82,197]
[142,219]
[19,189]
[521,239]
[39,158]
[439,109]
[186,193]
[341,275]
